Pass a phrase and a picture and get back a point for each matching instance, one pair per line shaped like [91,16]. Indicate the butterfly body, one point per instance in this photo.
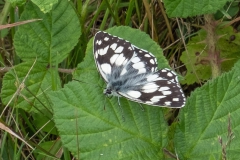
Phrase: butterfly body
[132,72]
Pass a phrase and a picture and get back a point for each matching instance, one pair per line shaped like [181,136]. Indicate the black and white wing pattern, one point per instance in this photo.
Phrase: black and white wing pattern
[132,72]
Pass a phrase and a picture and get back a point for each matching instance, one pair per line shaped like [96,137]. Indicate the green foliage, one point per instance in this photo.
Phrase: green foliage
[45,5]
[17,2]
[42,45]
[196,58]
[80,121]
[229,11]
[47,40]
[52,146]
[210,116]
[37,82]
[188,8]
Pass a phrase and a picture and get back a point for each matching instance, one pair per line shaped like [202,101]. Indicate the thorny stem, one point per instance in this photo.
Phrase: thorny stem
[213,52]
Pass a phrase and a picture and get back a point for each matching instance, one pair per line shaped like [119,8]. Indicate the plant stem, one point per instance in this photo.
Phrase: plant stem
[213,52]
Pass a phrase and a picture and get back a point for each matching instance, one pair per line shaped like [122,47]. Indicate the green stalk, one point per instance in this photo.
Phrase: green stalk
[129,12]
[213,52]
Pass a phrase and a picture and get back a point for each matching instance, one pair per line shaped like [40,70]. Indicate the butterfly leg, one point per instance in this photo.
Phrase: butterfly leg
[105,103]
[121,109]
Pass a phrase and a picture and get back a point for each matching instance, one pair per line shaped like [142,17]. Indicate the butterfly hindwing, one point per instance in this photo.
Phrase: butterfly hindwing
[160,89]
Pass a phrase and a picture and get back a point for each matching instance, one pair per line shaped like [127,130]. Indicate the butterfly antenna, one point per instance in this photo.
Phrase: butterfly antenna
[141,107]
[121,109]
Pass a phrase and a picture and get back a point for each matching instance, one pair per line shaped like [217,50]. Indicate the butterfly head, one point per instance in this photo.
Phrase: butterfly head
[107,92]
[111,91]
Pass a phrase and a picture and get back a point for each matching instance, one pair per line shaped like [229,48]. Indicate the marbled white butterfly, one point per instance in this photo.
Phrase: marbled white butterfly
[132,72]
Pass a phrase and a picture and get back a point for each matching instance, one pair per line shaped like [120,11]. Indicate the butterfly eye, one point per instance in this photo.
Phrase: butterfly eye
[107,91]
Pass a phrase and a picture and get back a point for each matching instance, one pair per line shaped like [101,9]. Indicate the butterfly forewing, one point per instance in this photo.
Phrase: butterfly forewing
[144,60]
[110,53]
[132,72]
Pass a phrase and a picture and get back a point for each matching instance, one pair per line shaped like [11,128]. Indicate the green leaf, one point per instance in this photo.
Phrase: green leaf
[16,2]
[211,113]
[52,38]
[45,5]
[196,59]
[91,131]
[37,83]
[188,8]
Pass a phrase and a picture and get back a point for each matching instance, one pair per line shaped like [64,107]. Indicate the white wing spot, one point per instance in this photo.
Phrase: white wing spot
[169,74]
[138,65]
[106,38]
[163,88]
[150,86]
[156,98]
[135,59]
[147,55]
[151,90]
[152,77]
[119,49]
[164,70]
[149,102]
[99,42]
[113,46]
[160,78]
[173,80]
[168,103]
[175,99]
[113,58]
[152,61]
[134,94]
[120,60]
[167,92]
[103,51]
[106,68]
[142,70]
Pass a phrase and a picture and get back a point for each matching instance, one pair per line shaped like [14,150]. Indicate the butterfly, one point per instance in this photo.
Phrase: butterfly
[131,72]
